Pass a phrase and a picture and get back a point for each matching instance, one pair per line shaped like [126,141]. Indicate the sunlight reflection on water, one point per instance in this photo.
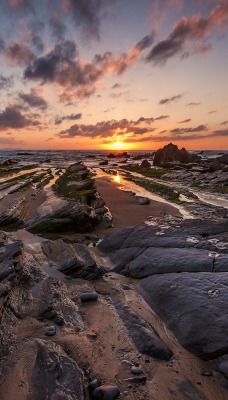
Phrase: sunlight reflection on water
[117,178]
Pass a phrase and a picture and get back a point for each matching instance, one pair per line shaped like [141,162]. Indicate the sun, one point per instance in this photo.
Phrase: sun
[118,145]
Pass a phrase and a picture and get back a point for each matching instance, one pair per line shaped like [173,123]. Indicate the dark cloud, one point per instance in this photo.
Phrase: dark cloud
[2,44]
[20,5]
[116,86]
[18,53]
[212,111]
[145,42]
[194,29]
[11,117]
[223,132]
[70,117]
[58,28]
[33,100]
[199,128]
[223,123]
[194,103]
[170,99]
[36,29]
[106,129]
[6,82]
[184,121]
[87,15]
[165,49]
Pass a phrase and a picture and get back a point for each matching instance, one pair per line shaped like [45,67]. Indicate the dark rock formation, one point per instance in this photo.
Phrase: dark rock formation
[183,265]
[145,164]
[171,154]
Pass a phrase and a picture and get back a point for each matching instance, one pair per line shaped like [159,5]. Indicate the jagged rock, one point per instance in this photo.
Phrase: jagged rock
[142,334]
[171,153]
[3,289]
[55,373]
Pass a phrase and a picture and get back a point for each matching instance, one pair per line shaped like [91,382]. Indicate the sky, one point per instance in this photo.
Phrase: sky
[113,74]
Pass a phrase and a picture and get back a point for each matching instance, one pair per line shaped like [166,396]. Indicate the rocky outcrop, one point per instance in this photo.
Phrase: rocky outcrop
[180,264]
[171,154]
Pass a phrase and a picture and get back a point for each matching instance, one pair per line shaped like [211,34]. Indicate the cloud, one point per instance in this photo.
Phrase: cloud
[116,86]
[17,4]
[6,82]
[170,99]
[33,99]
[194,103]
[58,28]
[105,129]
[18,53]
[184,121]
[63,66]
[11,117]
[223,123]
[87,15]
[195,29]
[199,128]
[5,141]
[70,117]
[212,111]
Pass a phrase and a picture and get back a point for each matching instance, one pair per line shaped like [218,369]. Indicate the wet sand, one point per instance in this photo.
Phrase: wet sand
[125,208]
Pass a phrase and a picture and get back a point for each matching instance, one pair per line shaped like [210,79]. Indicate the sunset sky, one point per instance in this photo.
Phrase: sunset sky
[113,74]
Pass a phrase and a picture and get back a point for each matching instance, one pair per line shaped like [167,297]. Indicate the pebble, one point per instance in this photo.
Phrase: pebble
[106,393]
[50,331]
[91,335]
[137,379]
[136,371]
[88,296]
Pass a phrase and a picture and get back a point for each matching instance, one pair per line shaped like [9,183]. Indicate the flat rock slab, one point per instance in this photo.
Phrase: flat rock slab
[193,306]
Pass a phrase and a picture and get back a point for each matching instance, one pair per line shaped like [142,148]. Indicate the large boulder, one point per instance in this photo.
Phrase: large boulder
[171,154]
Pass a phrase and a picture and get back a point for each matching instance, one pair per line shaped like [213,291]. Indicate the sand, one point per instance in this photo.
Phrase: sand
[125,208]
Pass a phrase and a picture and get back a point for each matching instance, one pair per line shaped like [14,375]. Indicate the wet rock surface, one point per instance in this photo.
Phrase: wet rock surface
[106,334]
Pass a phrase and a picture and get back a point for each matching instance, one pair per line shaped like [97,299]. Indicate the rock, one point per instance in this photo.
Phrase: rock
[136,371]
[145,164]
[93,385]
[200,324]
[88,297]
[55,373]
[106,393]
[144,337]
[111,155]
[3,289]
[105,162]
[171,154]
[137,379]
[50,331]
[143,200]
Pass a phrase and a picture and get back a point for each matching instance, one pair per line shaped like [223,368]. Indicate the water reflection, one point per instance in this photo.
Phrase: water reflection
[117,178]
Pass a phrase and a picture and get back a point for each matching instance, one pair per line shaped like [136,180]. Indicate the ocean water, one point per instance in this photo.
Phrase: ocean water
[63,158]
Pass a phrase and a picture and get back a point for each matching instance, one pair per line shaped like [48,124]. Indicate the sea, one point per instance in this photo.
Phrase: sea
[63,158]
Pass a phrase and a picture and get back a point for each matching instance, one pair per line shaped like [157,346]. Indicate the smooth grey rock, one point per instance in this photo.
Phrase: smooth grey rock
[50,331]
[192,305]
[106,393]
[88,296]
[143,200]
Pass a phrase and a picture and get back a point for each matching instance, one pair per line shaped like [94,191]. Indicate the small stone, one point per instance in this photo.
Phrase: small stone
[125,393]
[137,379]
[88,296]
[206,373]
[93,385]
[91,335]
[106,393]
[136,371]
[50,331]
